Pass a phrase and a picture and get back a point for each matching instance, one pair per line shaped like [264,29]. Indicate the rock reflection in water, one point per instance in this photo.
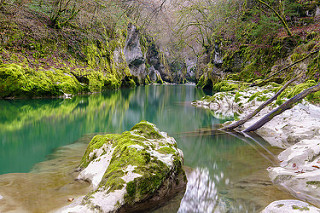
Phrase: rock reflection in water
[201,194]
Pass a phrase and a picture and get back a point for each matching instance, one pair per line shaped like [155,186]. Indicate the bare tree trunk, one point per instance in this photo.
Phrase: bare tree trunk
[287,105]
[256,111]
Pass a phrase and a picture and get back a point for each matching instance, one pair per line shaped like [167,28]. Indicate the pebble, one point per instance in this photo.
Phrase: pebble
[1,197]
[70,199]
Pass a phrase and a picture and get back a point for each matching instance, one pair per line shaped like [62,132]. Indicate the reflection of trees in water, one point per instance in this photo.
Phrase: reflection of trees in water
[31,129]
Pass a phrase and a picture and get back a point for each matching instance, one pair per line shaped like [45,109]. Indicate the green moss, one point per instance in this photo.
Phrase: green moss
[23,81]
[159,79]
[147,80]
[224,86]
[128,82]
[96,143]
[111,82]
[234,77]
[18,81]
[292,91]
[254,96]
[202,82]
[313,72]
[300,208]
[166,150]
[314,97]
[279,102]
[147,130]
[142,187]
[316,183]
[237,97]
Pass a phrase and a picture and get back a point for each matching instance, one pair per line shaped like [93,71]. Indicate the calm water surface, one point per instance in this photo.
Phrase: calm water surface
[42,141]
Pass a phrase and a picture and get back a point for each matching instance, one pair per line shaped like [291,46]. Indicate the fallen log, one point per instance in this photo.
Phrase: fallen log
[256,111]
[287,105]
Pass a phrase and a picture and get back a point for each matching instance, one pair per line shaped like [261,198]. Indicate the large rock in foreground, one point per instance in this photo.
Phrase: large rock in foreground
[134,171]
[289,206]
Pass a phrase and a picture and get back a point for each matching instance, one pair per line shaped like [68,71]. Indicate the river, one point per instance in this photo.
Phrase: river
[42,141]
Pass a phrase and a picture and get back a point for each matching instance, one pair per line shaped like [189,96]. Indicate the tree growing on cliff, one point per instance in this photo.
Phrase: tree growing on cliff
[64,11]
[278,14]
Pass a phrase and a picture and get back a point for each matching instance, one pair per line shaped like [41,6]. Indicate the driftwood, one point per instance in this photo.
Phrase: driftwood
[287,67]
[256,111]
[287,105]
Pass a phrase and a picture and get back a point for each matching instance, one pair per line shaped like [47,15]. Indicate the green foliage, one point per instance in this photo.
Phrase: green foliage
[204,82]
[18,81]
[224,86]
[63,11]
[295,90]
[314,68]
[267,25]
[237,97]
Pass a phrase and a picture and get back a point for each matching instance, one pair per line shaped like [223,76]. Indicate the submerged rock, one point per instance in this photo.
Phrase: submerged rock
[288,206]
[133,171]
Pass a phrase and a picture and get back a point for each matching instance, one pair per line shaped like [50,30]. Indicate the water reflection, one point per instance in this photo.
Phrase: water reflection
[228,173]
[32,129]
[201,194]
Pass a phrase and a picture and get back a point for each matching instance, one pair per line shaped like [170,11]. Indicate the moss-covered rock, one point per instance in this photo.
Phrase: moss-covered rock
[224,86]
[18,81]
[23,81]
[132,170]
[205,82]
[290,206]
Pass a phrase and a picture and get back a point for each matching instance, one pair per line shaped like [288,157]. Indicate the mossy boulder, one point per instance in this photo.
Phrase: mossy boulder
[280,206]
[133,171]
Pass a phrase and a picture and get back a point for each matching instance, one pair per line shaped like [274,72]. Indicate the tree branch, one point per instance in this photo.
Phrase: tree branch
[256,111]
[287,105]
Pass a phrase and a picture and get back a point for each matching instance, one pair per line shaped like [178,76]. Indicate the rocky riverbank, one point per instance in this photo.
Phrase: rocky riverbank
[296,130]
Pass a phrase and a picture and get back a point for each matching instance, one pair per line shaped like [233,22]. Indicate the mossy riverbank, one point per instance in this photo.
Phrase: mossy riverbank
[24,82]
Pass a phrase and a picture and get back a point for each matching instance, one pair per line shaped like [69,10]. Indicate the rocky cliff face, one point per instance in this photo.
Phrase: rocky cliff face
[133,54]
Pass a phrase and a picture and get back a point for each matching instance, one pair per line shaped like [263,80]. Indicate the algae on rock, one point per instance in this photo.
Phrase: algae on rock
[135,170]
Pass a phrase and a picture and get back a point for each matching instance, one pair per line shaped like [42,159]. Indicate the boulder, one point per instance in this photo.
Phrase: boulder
[130,172]
[289,206]
[299,170]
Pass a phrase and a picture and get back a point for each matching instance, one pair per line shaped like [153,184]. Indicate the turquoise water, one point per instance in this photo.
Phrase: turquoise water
[32,129]
[225,172]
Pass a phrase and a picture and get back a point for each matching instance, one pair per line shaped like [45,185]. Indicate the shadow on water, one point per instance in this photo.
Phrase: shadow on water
[48,137]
